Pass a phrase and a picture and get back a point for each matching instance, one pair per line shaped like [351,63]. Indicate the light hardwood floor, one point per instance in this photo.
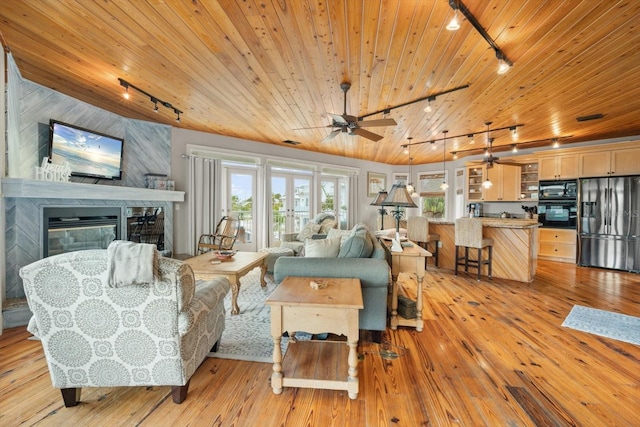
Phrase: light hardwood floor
[492,353]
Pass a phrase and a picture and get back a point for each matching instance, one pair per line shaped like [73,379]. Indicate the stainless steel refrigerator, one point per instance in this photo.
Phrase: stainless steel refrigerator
[609,222]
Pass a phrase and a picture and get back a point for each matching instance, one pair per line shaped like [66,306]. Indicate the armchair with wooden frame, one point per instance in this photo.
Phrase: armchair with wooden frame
[222,239]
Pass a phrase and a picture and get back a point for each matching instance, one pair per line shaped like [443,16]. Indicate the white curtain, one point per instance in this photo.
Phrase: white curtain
[204,199]
[354,202]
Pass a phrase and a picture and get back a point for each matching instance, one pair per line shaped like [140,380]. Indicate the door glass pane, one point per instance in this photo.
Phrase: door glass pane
[328,196]
[241,186]
[302,198]
[278,208]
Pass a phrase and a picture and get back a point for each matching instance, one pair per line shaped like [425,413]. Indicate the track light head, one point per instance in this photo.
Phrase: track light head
[454,24]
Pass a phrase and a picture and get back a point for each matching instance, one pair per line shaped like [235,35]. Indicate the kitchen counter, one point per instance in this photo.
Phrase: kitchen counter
[500,222]
[515,246]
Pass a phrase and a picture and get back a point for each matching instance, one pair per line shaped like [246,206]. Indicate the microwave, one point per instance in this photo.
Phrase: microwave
[558,190]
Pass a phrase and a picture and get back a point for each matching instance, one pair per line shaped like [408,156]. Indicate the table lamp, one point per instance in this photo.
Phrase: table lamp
[380,197]
[399,198]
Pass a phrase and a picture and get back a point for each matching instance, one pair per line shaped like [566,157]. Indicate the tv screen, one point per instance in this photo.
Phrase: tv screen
[89,153]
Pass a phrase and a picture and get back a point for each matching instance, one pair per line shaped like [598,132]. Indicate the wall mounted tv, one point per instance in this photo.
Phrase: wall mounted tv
[89,153]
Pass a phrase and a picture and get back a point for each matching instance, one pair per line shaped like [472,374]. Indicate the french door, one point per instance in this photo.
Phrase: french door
[290,203]
[334,198]
[240,203]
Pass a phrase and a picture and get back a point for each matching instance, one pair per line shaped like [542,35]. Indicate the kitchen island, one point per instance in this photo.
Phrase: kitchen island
[515,246]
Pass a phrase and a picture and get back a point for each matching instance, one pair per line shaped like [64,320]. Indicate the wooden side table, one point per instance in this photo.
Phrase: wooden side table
[410,260]
[295,306]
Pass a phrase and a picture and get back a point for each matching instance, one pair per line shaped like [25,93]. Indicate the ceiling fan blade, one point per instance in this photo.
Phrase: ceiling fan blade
[338,119]
[332,135]
[314,127]
[366,134]
[380,122]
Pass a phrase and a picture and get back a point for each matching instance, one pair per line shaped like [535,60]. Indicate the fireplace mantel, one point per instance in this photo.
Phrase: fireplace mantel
[29,188]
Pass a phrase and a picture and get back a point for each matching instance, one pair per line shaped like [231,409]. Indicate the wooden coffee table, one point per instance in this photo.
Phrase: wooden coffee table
[233,269]
[295,306]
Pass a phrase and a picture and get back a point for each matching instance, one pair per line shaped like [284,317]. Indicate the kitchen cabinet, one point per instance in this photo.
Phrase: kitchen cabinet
[475,176]
[529,181]
[506,183]
[558,167]
[558,244]
[623,161]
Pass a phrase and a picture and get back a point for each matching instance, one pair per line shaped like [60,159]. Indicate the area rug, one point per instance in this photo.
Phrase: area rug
[604,323]
[247,336]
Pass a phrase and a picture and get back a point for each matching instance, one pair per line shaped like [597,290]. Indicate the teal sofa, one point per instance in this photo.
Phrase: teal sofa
[373,272]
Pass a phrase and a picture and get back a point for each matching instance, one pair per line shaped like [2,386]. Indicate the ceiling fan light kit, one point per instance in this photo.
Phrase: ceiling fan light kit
[352,125]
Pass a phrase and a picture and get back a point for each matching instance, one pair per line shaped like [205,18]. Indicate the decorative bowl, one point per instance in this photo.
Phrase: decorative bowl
[224,255]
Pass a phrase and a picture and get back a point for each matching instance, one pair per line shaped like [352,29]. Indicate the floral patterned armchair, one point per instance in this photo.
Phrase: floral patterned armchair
[94,335]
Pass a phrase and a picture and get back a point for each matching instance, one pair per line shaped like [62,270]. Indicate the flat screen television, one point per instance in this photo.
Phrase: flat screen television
[89,153]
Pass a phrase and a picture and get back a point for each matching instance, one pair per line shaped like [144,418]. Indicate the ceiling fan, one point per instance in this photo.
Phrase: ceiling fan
[489,158]
[351,125]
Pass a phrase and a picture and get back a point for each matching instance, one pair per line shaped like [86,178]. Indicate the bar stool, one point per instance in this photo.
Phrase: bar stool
[418,232]
[468,234]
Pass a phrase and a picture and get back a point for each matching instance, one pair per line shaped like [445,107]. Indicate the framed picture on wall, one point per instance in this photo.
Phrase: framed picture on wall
[400,178]
[376,182]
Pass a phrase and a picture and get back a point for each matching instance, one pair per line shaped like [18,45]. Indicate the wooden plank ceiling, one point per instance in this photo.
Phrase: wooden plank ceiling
[263,69]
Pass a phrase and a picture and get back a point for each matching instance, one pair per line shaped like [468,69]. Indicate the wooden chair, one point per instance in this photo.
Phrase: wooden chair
[418,232]
[223,239]
[468,234]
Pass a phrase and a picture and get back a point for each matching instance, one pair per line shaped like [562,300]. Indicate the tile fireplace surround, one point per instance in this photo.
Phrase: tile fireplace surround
[25,199]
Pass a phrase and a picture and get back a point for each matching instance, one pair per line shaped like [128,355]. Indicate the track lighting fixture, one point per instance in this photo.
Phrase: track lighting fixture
[428,108]
[429,98]
[444,184]
[152,98]
[455,155]
[555,144]
[469,135]
[503,62]
[514,148]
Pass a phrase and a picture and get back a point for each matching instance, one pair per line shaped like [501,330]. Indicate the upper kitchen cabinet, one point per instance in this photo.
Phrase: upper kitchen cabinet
[475,176]
[506,183]
[561,166]
[529,181]
[616,162]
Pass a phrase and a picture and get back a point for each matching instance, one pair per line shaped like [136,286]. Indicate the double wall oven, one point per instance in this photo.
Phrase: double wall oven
[557,205]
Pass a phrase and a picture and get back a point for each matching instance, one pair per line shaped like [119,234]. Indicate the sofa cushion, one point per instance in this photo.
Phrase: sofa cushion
[322,248]
[356,247]
[309,230]
[327,225]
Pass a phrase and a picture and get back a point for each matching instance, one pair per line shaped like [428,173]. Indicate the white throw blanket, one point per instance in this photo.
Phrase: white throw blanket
[131,263]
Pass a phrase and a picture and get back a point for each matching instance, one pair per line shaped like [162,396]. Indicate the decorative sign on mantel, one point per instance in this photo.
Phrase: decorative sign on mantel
[52,172]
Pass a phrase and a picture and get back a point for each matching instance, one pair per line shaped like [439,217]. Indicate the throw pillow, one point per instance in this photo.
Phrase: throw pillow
[309,230]
[322,248]
[356,247]
[342,234]
[319,219]
[327,225]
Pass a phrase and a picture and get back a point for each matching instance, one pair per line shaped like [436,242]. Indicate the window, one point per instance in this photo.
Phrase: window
[433,198]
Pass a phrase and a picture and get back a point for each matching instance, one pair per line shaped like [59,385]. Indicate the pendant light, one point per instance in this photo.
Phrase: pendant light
[410,188]
[487,183]
[444,186]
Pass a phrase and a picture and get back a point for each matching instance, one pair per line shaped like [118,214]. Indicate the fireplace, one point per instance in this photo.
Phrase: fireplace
[68,229]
